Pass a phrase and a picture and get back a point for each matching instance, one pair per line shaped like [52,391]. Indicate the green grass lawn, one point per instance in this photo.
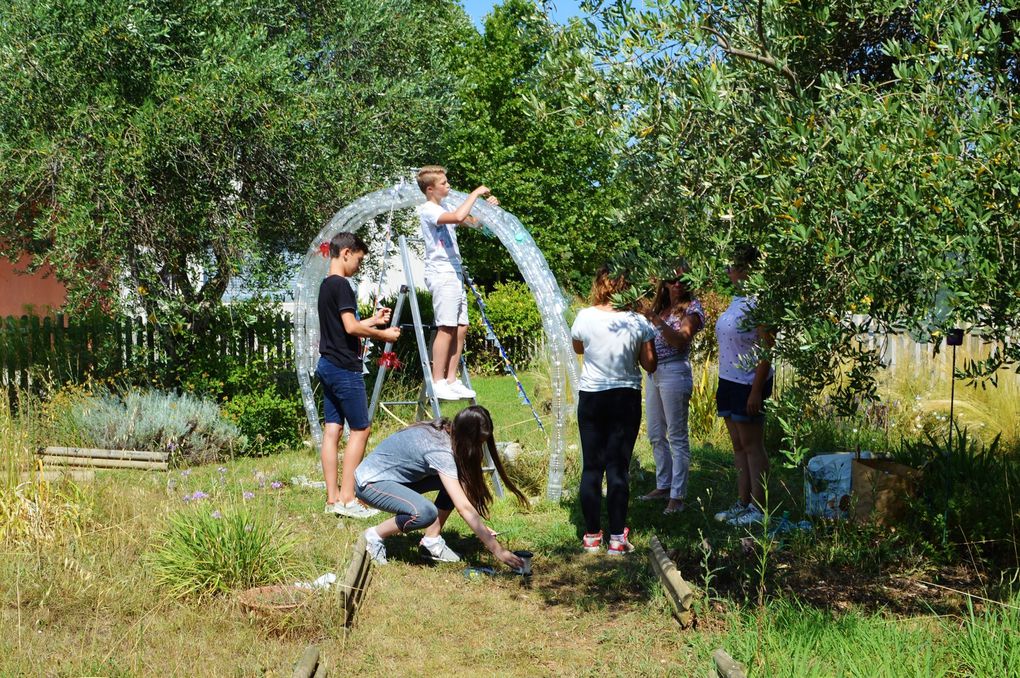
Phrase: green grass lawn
[85,602]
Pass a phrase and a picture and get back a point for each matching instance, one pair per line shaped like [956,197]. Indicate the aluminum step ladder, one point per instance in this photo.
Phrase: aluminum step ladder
[427,403]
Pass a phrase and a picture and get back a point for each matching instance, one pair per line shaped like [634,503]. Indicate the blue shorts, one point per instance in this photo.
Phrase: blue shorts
[731,400]
[343,396]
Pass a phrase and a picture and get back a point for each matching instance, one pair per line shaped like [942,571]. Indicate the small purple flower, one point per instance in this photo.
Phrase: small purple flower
[197,495]
[247,528]
[186,498]
[248,495]
[276,484]
[222,469]
[171,446]
[217,515]
[185,473]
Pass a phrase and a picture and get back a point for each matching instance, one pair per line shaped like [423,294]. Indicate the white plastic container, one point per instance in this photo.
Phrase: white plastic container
[827,484]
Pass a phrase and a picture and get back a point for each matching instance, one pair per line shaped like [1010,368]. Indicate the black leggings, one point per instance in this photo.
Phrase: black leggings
[608,422]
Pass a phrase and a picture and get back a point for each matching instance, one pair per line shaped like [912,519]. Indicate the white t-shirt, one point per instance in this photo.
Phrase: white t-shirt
[612,343]
[442,256]
[738,345]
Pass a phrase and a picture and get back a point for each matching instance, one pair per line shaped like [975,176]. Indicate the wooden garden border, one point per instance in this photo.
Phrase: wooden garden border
[359,574]
[678,591]
[726,666]
[83,457]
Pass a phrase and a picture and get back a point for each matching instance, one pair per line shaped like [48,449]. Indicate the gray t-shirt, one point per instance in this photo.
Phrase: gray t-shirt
[612,342]
[408,456]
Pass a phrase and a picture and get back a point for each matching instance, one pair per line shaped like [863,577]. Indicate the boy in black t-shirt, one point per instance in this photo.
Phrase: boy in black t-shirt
[339,370]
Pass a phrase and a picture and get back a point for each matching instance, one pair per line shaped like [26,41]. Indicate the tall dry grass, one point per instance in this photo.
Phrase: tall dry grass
[920,385]
[33,510]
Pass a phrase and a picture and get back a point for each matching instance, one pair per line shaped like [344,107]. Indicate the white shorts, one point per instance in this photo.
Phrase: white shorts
[449,300]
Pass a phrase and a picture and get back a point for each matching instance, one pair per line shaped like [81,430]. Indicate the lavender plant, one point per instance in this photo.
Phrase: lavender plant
[192,430]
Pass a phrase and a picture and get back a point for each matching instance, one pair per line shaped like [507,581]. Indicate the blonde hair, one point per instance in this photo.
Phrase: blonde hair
[429,175]
[605,286]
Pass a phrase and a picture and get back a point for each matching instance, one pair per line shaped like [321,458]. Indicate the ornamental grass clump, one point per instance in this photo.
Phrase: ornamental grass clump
[191,429]
[204,552]
[33,510]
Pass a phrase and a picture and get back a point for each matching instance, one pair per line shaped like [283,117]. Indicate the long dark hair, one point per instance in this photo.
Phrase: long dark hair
[470,435]
[661,302]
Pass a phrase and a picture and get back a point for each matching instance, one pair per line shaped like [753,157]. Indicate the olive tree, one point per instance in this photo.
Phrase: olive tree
[868,148]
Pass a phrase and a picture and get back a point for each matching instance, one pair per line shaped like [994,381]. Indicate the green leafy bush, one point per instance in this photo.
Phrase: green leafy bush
[190,428]
[517,324]
[205,553]
[966,503]
[268,420]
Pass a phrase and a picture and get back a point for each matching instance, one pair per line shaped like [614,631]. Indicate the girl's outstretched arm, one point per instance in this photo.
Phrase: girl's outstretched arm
[471,517]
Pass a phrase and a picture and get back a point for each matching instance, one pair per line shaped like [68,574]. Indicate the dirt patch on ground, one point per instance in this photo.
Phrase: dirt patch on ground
[937,591]
[932,590]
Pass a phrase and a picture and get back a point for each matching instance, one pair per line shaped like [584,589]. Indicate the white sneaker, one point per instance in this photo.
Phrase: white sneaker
[352,509]
[752,515]
[459,388]
[444,390]
[376,551]
[438,552]
[731,513]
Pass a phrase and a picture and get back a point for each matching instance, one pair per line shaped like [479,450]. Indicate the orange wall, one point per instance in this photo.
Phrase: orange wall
[39,293]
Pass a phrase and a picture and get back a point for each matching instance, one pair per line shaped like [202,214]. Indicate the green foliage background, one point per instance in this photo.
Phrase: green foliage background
[869,149]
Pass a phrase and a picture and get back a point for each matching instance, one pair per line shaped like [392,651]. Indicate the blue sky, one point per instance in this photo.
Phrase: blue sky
[560,10]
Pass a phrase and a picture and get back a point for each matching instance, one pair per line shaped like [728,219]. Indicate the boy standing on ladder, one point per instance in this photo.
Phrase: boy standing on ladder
[444,277]
[340,371]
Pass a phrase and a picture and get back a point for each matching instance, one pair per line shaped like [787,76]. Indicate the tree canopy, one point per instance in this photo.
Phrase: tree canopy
[161,146]
[869,150]
[554,172]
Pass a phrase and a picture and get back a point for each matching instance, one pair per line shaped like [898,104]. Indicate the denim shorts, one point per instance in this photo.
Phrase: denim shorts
[731,400]
[343,396]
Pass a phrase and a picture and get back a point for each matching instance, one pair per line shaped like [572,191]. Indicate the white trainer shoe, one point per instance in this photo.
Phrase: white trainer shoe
[731,513]
[445,391]
[459,388]
[376,551]
[752,515]
[438,552]
[352,509]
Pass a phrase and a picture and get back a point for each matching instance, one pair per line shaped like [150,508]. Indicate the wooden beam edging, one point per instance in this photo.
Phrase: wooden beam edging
[679,592]
[307,664]
[359,573]
[88,462]
[726,666]
[132,455]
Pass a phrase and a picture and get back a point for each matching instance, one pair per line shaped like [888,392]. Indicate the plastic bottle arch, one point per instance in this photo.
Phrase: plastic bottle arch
[525,254]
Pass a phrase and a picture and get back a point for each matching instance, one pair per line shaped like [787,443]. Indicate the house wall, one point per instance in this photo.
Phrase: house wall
[39,293]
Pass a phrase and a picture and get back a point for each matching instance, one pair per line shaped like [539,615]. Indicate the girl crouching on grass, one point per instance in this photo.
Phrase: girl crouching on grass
[432,456]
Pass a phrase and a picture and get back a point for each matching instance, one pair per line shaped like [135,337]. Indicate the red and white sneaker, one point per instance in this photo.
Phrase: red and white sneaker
[592,542]
[620,544]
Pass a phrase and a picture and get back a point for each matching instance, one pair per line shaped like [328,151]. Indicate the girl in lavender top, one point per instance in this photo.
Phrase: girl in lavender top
[677,316]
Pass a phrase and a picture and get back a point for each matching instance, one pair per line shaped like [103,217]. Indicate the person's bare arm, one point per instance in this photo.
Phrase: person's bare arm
[761,374]
[358,328]
[680,338]
[471,517]
[459,215]
[647,357]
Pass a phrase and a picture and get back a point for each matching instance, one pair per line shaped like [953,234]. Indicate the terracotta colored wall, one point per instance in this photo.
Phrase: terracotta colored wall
[40,292]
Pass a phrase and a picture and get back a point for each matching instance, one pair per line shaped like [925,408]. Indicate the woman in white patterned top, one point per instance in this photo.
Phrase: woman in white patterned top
[745,383]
